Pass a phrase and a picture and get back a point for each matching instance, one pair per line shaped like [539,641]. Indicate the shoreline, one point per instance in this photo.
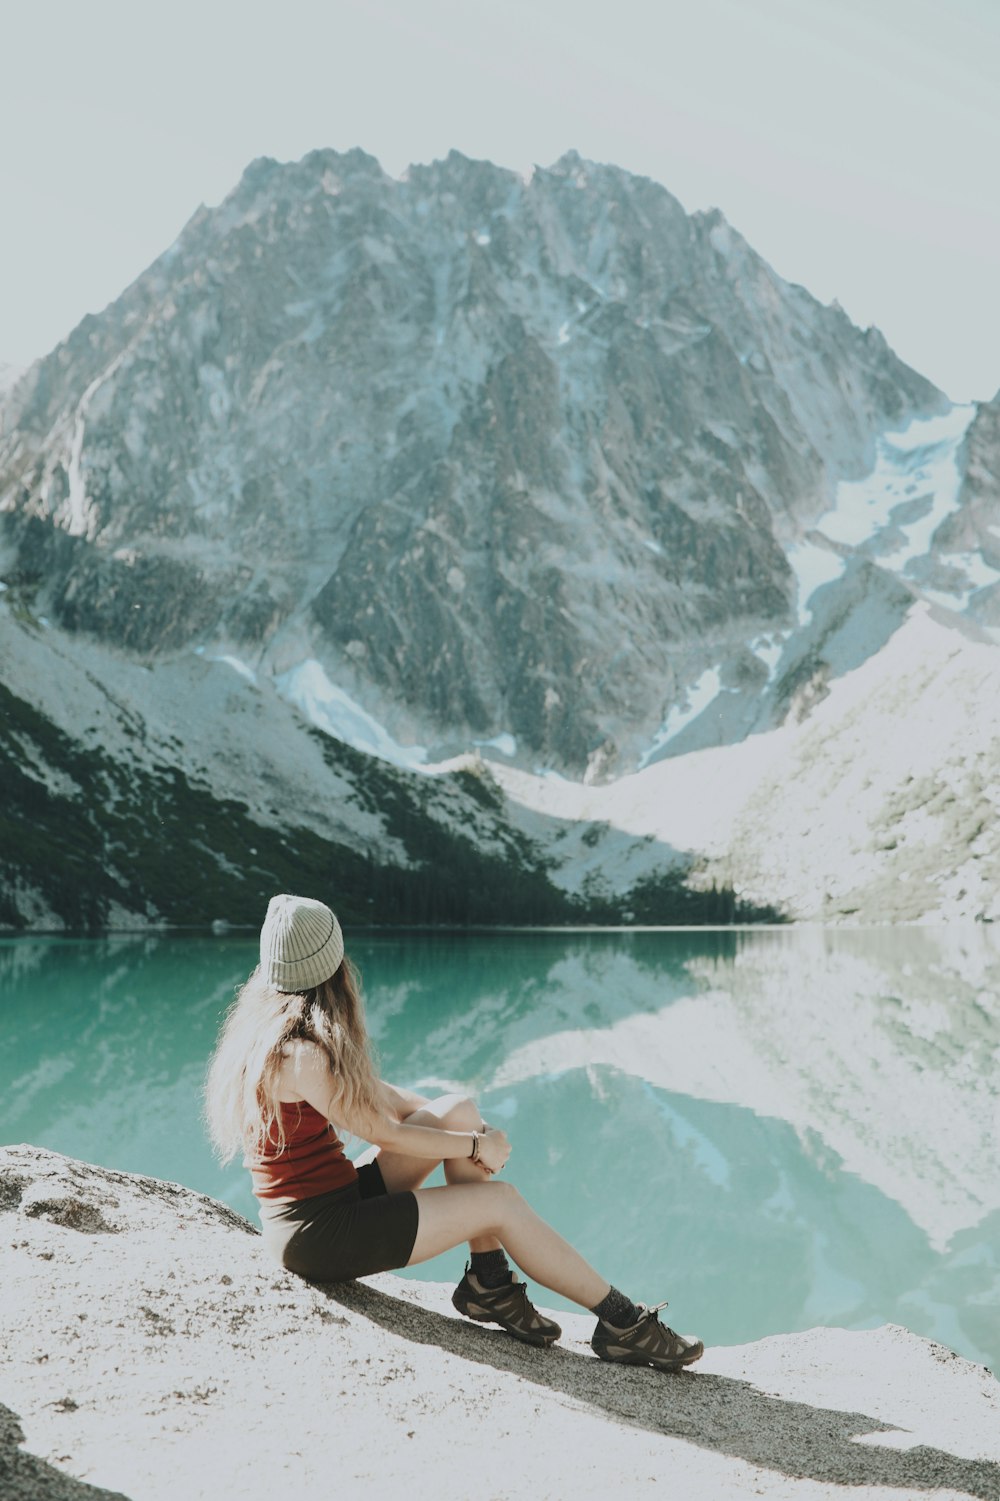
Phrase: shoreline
[227,930]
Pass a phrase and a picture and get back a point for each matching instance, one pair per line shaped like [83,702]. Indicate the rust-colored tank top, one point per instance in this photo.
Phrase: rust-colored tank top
[313,1161]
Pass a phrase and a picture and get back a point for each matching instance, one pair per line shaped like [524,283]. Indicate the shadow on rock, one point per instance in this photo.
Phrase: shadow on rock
[716,1412]
[25,1477]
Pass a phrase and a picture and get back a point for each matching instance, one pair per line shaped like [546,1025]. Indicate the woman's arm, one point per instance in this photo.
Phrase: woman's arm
[401,1102]
[307,1072]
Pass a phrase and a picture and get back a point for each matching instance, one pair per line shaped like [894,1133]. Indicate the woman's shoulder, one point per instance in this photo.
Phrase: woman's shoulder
[301,1048]
[304,1068]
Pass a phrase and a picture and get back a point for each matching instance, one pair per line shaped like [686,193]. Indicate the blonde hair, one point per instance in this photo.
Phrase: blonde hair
[242,1110]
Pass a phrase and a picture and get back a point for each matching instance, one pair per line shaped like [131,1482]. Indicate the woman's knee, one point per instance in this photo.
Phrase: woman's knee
[502,1204]
[453,1113]
[466,1115]
[509,1201]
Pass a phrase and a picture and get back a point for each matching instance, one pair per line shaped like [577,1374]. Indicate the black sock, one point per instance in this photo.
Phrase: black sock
[491,1268]
[617,1310]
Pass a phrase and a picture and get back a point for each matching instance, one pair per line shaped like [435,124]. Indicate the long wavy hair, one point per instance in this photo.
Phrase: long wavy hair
[242,1110]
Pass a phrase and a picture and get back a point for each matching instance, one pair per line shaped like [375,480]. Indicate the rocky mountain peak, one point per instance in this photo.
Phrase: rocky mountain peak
[503,458]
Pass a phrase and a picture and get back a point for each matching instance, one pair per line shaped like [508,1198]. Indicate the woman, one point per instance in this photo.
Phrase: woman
[293,1058]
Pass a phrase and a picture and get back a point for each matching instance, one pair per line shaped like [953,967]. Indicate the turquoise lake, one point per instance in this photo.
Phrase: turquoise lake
[773,1129]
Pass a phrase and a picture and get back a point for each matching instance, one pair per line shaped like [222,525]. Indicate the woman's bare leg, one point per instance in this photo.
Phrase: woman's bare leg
[487,1214]
[496,1212]
[451,1112]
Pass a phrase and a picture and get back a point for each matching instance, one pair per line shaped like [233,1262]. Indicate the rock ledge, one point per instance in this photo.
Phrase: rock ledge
[150,1350]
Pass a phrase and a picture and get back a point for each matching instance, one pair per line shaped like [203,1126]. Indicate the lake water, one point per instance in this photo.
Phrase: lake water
[773,1129]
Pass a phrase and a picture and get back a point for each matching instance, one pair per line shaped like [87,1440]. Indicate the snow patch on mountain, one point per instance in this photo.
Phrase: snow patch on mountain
[814,563]
[845,609]
[978,575]
[882,800]
[505,743]
[332,709]
[894,512]
[699,696]
[238,666]
[769,649]
[80,514]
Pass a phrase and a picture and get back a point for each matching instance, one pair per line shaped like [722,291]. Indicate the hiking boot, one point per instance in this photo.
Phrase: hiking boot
[507,1306]
[646,1343]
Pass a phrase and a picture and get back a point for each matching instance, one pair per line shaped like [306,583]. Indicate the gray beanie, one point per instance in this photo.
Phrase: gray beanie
[301,944]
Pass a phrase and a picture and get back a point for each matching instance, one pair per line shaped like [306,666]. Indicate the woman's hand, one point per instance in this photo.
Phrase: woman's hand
[494,1149]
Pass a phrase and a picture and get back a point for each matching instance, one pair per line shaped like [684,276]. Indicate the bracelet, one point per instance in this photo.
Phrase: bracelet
[474,1154]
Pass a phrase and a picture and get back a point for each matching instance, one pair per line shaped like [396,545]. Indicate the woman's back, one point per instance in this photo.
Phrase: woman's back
[312,1161]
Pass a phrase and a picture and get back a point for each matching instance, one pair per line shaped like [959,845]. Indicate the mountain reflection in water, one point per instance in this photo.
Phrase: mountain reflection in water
[773,1129]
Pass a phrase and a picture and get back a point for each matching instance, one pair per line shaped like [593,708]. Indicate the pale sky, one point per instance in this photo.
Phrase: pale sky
[854,143]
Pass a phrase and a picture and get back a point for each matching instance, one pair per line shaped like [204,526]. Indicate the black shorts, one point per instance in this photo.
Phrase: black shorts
[349,1232]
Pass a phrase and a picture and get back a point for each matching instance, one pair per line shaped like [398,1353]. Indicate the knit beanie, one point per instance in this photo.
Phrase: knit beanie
[301,944]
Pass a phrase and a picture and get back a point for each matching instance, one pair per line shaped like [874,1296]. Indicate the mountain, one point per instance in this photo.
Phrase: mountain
[968,542]
[367,471]
[187,792]
[504,458]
